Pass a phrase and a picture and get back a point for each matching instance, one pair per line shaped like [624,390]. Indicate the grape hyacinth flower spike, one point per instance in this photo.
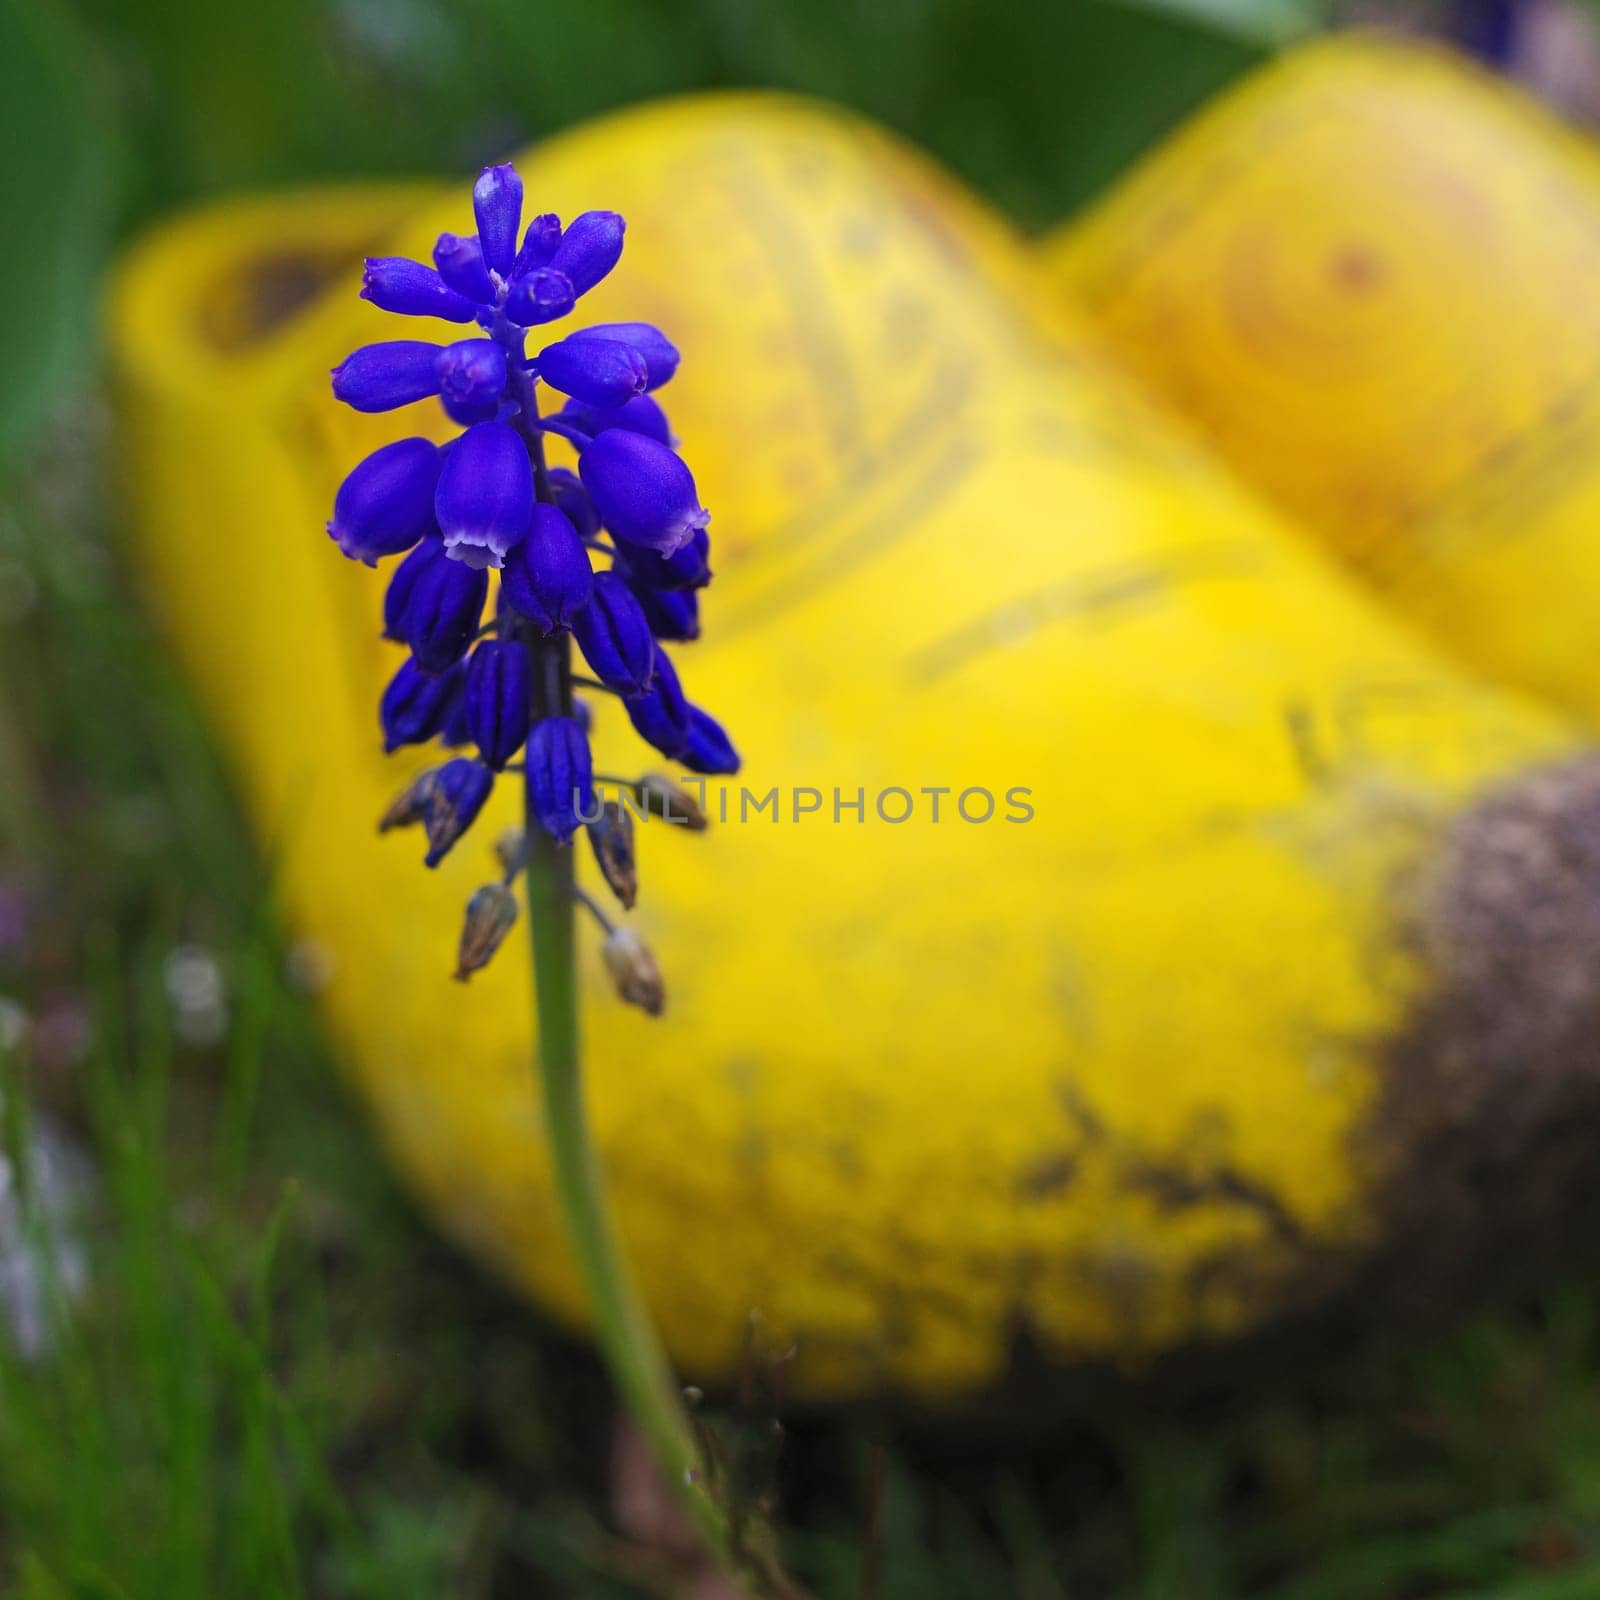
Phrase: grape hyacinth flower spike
[489,502]
[489,673]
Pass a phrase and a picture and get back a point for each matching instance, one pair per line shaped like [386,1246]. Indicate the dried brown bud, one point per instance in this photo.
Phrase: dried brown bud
[611,836]
[511,851]
[634,970]
[661,797]
[491,913]
[411,804]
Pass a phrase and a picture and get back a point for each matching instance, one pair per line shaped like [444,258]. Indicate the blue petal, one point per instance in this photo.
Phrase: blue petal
[455,733]
[538,244]
[671,613]
[472,377]
[708,748]
[579,423]
[497,205]
[660,715]
[397,597]
[547,578]
[589,248]
[497,699]
[415,704]
[386,503]
[573,499]
[688,567]
[560,776]
[660,354]
[642,490]
[485,494]
[455,797]
[392,283]
[614,636]
[540,296]
[443,609]
[460,262]
[379,377]
[600,372]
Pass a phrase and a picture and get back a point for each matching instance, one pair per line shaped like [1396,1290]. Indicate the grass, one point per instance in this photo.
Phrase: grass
[276,1382]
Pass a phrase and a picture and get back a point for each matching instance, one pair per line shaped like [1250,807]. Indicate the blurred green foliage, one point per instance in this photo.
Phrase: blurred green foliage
[54,200]
[1267,22]
[1037,105]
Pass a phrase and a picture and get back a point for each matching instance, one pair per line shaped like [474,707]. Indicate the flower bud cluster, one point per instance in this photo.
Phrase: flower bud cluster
[484,508]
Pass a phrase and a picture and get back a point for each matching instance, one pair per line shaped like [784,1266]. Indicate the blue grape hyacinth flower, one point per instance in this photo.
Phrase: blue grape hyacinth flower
[606,553]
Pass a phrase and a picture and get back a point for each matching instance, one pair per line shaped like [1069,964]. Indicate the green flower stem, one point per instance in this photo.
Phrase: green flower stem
[627,1341]
[622,1327]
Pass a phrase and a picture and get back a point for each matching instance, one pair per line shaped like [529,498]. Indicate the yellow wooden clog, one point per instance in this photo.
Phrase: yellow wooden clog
[1371,278]
[1269,1001]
